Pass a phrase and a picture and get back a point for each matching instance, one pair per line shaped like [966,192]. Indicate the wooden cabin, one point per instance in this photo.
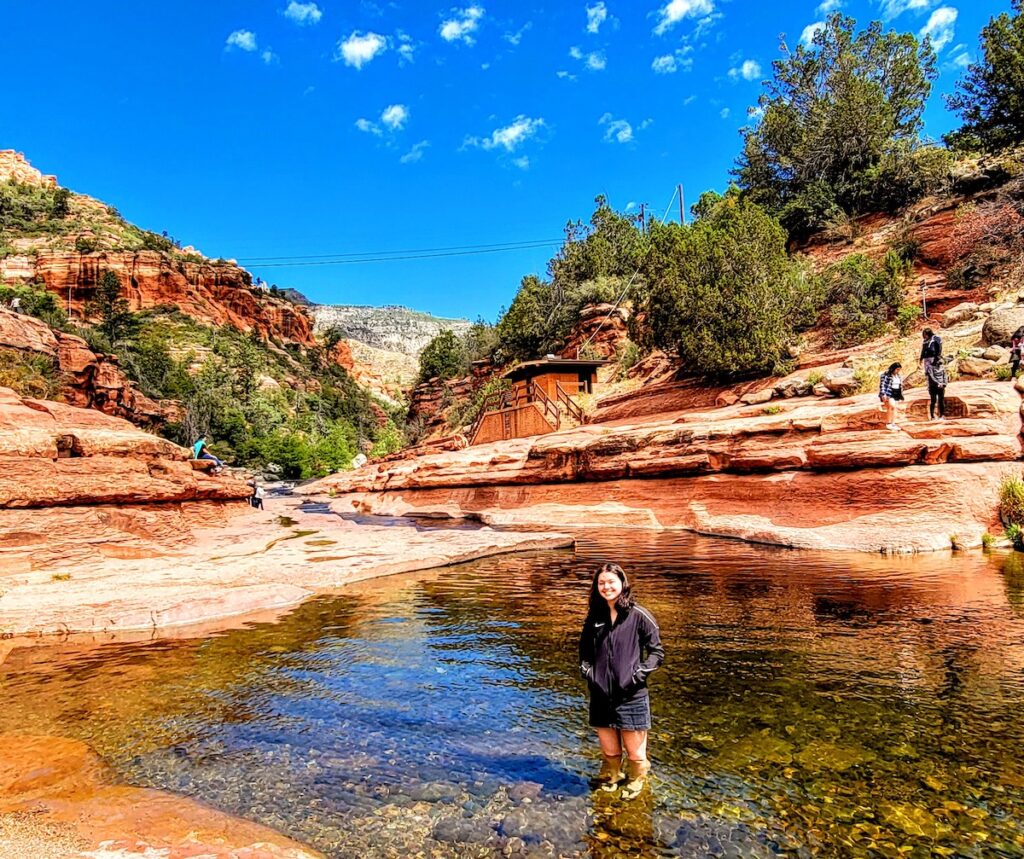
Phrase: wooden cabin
[542,397]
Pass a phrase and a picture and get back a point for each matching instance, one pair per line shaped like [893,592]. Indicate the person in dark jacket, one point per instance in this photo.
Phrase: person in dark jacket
[931,348]
[620,647]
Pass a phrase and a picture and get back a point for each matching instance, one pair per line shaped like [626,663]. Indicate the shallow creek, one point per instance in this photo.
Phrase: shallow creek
[811,705]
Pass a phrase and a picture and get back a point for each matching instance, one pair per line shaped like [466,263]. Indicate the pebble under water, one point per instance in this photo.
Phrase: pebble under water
[810,705]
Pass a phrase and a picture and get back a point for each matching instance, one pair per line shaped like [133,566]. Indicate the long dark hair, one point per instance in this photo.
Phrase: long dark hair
[598,604]
[893,368]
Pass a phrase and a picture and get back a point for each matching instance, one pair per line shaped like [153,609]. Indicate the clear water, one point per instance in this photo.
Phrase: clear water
[811,705]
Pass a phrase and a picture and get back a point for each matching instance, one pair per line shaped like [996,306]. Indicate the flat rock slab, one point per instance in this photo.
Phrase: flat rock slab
[61,783]
[75,570]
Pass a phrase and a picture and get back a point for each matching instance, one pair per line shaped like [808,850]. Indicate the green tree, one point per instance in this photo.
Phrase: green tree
[836,122]
[443,357]
[59,208]
[724,295]
[117,323]
[524,329]
[991,93]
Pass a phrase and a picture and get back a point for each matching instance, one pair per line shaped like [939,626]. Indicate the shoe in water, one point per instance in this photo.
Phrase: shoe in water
[637,775]
[611,774]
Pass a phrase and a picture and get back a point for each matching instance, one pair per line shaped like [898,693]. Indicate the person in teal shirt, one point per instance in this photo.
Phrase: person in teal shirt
[200,451]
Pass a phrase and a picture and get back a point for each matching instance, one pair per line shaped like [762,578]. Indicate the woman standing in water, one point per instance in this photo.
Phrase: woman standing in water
[619,649]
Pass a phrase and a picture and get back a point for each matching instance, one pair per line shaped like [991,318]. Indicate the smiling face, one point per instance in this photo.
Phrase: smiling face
[609,586]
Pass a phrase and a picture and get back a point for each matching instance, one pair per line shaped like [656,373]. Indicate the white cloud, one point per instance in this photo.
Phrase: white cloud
[665,65]
[596,16]
[416,153]
[668,64]
[940,27]
[690,99]
[406,48]
[562,73]
[724,113]
[958,59]
[462,25]
[523,162]
[807,36]
[511,137]
[894,8]
[303,13]
[268,56]
[675,10]
[630,206]
[595,61]
[359,48]
[367,127]
[827,6]
[244,40]
[749,70]
[619,130]
[516,37]
[394,116]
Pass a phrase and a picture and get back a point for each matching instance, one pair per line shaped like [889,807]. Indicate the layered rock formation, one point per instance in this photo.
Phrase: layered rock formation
[789,477]
[215,292]
[601,331]
[15,168]
[53,454]
[89,380]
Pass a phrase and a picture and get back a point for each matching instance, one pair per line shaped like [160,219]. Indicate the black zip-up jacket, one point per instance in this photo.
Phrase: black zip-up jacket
[616,659]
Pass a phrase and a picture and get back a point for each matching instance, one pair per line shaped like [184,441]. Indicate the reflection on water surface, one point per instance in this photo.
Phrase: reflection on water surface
[811,705]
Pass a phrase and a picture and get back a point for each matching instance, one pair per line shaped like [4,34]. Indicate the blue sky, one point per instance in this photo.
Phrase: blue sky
[280,128]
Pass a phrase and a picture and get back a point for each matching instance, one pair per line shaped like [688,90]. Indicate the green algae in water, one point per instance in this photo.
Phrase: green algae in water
[810,706]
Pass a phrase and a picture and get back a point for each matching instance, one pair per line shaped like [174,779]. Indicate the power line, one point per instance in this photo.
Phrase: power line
[489,246]
[405,257]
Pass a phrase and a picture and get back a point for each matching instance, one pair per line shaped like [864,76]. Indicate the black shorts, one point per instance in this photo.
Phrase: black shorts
[633,714]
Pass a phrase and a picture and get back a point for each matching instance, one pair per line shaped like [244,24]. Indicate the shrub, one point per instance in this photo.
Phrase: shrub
[906,317]
[863,296]
[723,293]
[29,375]
[1015,534]
[955,543]
[987,540]
[1011,500]
[1003,372]
[86,244]
[36,301]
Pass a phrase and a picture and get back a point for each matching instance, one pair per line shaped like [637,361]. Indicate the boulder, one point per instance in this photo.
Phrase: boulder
[959,313]
[727,398]
[755,398]
[994,353]
[821,390]
[841,382]
[974,366]
[1001,324]
[792,388]
[988,306]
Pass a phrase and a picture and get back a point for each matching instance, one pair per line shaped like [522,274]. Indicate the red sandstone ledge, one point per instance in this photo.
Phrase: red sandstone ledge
[822,474]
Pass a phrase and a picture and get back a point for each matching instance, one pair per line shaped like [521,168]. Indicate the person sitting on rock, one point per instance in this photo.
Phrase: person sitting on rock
[200,451]
[256,499]
[890,390]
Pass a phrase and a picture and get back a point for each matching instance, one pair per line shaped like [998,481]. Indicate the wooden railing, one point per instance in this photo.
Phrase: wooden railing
[514,397]
[571,406]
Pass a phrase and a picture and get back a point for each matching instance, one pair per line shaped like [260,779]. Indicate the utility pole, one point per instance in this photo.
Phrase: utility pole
[682,216]
[643,217]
